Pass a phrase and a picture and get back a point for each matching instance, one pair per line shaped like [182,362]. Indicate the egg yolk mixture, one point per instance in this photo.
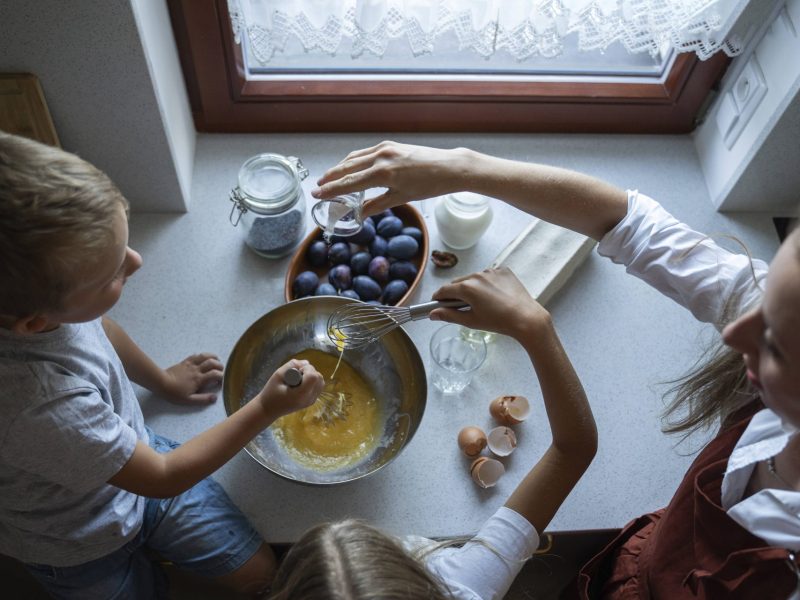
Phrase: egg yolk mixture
[327,444]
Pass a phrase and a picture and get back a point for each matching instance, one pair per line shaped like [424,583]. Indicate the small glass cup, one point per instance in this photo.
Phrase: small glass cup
[455,358]
[340,215]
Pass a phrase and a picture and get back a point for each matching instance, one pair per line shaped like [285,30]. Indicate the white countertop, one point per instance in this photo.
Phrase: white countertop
[201,287]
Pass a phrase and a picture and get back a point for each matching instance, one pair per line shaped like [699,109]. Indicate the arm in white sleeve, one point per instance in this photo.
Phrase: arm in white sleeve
[685,265]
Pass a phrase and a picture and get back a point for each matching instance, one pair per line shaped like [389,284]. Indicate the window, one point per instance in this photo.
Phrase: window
[230,91]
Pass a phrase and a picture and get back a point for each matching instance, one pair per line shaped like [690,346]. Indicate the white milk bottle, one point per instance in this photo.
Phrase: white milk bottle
[462,218]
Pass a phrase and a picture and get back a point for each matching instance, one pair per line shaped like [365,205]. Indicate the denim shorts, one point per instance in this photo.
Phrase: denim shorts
[200,530]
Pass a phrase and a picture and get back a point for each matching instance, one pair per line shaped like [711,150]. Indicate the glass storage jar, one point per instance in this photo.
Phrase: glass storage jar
[271,204]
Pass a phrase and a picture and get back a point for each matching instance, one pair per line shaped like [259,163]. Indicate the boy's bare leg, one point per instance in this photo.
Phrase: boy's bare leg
[254,576]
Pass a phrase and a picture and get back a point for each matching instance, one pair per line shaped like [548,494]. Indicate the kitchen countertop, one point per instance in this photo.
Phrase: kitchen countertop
[201,287]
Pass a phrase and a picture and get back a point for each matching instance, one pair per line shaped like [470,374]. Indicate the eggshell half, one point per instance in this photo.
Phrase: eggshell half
[502,440]
[510,410]
[486,472]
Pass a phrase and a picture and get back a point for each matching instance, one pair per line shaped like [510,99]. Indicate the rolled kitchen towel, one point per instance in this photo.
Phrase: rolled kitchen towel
[544,256]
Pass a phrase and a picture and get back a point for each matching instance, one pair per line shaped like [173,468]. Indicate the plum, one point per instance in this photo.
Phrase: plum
[359,263]
[389,227]
[414,232]
[304,284]
[350,294]
[378,246]
[340,277]
[381,215]
[365,235]
[403,269]
[325,289]
[317,253]
[379,269]
[366,287]
[393,291]
[402,246]
[339,253]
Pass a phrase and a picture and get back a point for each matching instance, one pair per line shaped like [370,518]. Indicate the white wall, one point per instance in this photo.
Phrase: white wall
[760,171]
[117,106]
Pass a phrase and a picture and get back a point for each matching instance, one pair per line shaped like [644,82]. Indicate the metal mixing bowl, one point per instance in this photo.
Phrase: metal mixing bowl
[391,365]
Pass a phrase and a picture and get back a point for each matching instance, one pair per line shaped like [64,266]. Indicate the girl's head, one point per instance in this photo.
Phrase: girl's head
[350,560]
[768,337]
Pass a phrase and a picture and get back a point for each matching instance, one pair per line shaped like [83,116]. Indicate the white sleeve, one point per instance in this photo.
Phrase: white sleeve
[485,567]
[683,264]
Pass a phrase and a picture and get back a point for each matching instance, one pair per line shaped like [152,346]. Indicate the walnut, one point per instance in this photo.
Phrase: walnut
[445,260]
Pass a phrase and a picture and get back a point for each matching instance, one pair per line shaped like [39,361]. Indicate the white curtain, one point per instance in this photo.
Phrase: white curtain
[524,28]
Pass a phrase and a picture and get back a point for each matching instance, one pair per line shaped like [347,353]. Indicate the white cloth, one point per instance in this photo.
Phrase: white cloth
[70,420]
[485,566]
[521,28]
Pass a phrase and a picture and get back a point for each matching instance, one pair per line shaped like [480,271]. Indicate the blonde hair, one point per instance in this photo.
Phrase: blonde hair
[56,214]
[716,388]
[351,560]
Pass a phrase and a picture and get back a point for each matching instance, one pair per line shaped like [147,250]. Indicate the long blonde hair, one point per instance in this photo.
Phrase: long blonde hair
[716,388]
[350,560]
[56,214]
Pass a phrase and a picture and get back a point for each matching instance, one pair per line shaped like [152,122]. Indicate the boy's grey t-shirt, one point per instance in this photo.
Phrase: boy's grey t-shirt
[69,421]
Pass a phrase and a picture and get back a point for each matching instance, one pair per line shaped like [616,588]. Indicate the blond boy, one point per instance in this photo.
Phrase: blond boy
[85,486]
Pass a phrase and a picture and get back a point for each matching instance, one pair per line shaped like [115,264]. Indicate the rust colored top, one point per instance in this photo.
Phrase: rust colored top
[692,548]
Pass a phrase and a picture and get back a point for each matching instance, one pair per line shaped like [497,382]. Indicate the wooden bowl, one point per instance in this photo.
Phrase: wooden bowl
[410,217]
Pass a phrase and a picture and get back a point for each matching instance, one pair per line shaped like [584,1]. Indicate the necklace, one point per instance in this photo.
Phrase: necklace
[774,472]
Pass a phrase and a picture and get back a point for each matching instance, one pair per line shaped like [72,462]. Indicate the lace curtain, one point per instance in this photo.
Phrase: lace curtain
[523,28]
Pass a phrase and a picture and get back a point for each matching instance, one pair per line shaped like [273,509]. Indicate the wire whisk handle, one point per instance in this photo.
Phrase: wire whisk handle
[422,311]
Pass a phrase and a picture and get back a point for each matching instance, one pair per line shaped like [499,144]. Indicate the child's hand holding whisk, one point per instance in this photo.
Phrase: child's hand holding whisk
[498,302]
[279,398]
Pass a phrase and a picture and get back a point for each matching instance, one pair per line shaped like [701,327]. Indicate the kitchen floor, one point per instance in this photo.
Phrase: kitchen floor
[542,578]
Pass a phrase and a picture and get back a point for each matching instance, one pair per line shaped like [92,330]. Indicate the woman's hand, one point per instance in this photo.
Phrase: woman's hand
[409,172]
[278,399]
[194,380]
[498,302]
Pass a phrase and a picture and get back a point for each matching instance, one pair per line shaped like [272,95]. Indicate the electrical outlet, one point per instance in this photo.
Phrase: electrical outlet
[739,103]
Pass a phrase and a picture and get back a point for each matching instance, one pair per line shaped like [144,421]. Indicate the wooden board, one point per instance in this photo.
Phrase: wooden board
[23,110]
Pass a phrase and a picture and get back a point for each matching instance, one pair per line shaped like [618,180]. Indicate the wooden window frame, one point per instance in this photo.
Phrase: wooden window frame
[223,100]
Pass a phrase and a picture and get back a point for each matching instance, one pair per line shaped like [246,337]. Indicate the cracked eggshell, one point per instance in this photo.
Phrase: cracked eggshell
[502,440]
[510,410]
[472,440]
[486,471]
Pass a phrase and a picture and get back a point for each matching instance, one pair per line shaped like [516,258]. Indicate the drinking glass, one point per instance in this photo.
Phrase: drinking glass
[455,358]
[340,215]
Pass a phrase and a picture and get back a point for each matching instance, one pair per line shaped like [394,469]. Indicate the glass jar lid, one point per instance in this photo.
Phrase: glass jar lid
[270,183]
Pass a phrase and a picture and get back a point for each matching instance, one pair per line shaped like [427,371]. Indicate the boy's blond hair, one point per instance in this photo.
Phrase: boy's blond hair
[56,214]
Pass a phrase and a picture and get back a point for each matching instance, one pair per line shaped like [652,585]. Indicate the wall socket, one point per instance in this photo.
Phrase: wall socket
[740,102]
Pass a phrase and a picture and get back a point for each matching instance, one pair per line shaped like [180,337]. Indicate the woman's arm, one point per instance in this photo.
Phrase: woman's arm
[499,302]
[179,383]
[567,198]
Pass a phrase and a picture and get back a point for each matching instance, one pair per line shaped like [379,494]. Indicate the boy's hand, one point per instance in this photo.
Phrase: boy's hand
[194,380]
[498,302]
[278,399]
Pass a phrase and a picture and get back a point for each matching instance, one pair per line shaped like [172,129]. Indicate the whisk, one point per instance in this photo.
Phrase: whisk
[331,405]
[356,325]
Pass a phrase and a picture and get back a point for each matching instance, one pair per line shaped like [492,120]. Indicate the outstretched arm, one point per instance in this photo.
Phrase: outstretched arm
[499,302]
[567,198]
[181,383]
[149,473]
